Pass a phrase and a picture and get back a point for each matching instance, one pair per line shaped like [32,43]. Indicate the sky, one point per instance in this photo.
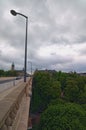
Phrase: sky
[56,34]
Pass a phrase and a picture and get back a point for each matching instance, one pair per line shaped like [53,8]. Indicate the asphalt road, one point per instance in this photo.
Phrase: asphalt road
[6,83]
[6,80]
[8,88]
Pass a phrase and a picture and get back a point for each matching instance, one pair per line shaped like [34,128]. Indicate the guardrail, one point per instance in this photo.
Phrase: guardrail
[11,107]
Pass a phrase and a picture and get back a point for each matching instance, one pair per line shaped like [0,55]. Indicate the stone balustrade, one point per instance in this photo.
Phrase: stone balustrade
[14,108]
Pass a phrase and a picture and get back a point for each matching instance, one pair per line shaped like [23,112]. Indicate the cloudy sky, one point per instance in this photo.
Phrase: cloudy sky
[56,34]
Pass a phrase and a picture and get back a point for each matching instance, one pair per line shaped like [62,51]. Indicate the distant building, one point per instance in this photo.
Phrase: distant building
[20,72]
[82,74]
[12,67]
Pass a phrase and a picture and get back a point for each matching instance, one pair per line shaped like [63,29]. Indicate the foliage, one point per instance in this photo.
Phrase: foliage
[71,90]
[84,106]
[59,113]
[8,73]
[45,88]
[1,73]
[75,90]
[63,117]
[57,101]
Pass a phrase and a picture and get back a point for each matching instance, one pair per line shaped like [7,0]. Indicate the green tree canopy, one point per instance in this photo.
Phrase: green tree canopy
[1,73]
[71,90]
[75,90]
[44,90]
[63,117]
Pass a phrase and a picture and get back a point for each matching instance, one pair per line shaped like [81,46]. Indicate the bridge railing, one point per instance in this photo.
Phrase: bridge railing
[12,106]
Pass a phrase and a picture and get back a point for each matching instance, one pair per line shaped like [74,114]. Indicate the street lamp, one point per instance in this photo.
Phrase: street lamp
[13,12]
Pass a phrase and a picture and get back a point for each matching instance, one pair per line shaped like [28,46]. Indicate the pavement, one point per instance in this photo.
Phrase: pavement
[6,85]
[7,78]
[9,90]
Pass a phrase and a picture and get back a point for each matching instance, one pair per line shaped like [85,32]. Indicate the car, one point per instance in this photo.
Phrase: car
[18,77]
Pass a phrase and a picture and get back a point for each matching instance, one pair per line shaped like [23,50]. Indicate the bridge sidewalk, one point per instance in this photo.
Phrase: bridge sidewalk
[9,90]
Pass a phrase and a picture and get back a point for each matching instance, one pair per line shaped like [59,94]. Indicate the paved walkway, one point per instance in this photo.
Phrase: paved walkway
[6,78]
[8,85]
[7,91]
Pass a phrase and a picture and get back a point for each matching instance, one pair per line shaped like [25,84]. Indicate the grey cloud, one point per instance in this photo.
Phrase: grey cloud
[50,22]
[53,53]
[81,39]
[82,52]
[17,59]
[52,60]
[0,52]
[59,40]
[78,67]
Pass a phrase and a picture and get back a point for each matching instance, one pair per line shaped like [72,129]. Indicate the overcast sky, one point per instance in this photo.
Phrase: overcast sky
[56,34]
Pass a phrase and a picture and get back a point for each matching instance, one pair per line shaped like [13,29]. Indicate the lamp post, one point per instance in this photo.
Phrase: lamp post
[13,12]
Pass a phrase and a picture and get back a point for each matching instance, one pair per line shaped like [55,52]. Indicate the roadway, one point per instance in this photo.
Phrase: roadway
[10,89]
[8,82]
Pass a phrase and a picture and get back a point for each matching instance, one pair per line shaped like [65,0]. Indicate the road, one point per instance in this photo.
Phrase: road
[6,91]
[6,80]
[7,87]
[6,83]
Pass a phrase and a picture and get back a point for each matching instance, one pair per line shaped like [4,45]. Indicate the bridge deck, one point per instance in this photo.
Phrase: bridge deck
[14,107]
[9,90]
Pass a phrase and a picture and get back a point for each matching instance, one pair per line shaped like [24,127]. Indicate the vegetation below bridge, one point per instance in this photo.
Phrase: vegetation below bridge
[61,99]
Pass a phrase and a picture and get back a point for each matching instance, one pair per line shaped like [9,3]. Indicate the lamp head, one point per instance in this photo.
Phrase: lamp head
[13,12]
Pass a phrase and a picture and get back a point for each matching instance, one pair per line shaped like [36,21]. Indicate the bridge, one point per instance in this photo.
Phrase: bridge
[15,105]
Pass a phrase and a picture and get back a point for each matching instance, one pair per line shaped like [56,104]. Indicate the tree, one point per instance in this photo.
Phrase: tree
[82,96]
[75,90]
[63,117]
[57,101]
[44,90]
[1,73]
[11,73]
[71,90]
